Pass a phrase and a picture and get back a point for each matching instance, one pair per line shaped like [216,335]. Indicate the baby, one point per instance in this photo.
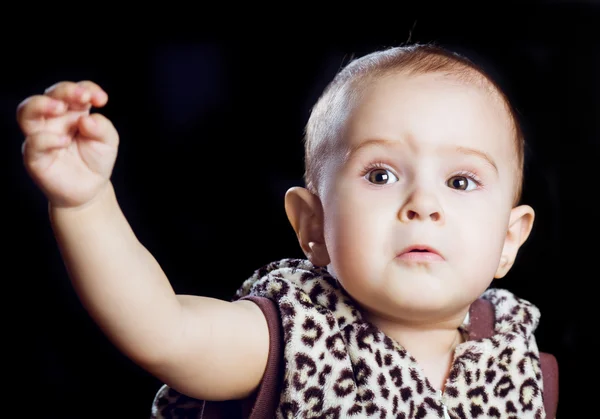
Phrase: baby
[414,166]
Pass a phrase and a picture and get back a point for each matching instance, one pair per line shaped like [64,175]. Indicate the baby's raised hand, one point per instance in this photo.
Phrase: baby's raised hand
[68,152]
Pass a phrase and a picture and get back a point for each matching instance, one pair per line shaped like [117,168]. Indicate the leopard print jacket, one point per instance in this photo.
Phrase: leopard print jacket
[338,365]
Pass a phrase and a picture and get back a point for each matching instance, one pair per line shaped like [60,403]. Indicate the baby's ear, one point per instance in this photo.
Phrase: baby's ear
[519,228]
[305,213]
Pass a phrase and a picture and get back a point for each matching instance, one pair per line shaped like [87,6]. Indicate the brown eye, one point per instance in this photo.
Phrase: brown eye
[381,176]
[461,183]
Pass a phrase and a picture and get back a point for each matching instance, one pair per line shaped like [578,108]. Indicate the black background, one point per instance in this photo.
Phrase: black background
[211,130]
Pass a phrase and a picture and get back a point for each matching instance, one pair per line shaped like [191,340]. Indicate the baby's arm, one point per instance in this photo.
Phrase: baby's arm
[203,347]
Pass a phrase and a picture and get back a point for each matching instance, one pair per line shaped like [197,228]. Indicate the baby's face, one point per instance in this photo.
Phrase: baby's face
[429,165]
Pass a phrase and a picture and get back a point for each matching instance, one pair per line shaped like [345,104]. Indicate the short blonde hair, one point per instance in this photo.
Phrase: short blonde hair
[328,114]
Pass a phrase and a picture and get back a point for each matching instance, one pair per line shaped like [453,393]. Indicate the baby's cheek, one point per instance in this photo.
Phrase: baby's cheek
[484,254]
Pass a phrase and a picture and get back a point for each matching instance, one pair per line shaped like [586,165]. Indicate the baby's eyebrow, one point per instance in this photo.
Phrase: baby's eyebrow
[453,149]
[370,143]
[477,153]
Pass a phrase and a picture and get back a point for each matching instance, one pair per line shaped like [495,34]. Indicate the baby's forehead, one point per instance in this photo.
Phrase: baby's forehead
[458,101]
[452,117]
[467,80]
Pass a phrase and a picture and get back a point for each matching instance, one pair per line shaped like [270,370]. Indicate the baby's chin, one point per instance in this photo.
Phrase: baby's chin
[410,294]
[415,308]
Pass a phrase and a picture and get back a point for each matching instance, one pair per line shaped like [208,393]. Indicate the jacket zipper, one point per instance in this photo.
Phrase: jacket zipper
[444,407]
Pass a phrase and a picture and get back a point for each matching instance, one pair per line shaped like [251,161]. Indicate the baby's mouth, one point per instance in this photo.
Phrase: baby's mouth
[420,253]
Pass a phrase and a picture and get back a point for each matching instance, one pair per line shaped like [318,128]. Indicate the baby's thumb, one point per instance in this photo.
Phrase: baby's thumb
[97,127]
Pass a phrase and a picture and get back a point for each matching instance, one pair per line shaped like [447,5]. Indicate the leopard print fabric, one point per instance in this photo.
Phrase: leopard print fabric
[340,366]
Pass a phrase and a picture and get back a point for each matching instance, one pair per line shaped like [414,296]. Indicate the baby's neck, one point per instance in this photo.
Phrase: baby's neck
[432,346]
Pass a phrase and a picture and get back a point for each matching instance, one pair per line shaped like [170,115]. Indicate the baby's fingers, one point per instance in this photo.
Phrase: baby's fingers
[31,113]
[41,143]
[78,95]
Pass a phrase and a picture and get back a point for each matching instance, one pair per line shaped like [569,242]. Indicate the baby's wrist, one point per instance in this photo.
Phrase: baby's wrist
[104,198]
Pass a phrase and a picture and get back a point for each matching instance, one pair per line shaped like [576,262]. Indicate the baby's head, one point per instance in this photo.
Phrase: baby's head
[414,165]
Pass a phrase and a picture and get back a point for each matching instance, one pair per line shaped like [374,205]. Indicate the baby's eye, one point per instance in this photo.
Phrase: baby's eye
[462,183]
[381,176]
